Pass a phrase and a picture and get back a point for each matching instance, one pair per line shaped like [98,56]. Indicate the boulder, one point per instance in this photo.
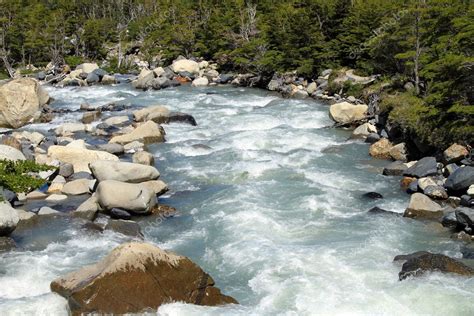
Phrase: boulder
[21,102]
[136,277]
[92,78]
[185,65]
[424,167]
[157,186]
[460,180]
[148,133]
[422,207]
[200,82]
[34,138]
[108,79]
[399,152]
[372,138]
[88,209]
[363,131]
[144,79]
[125,227]
[118,213]
[10,153]
[381,149]
[465,218]
[89,117]
[123,171]
[158,71]
[421,262]
[78,187]
[79,157]
[157,113]
[57,184]
[395,168]
[68,129]
[117,120]
[311,88]
[345,112]
[455,153]
[132,197]
[87,67]
[144,158]
[115,149]
[436,192]
[8,219]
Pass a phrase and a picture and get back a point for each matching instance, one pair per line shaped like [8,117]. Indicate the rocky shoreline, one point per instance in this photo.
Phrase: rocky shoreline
[108,166]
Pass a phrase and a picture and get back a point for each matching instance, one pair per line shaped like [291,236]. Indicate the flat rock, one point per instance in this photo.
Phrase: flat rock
[78,187]
[395,168]
[147,133]
[125,227]
[139,277]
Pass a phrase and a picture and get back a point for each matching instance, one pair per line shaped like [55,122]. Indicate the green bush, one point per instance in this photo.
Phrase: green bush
[74,61]
[15,176]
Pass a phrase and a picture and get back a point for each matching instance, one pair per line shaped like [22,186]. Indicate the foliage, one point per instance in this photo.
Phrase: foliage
[15,176]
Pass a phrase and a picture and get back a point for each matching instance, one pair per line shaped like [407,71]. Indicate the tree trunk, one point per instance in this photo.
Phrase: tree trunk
[11,71]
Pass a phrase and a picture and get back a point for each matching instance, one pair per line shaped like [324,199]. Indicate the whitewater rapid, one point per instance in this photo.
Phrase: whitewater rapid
[269,203]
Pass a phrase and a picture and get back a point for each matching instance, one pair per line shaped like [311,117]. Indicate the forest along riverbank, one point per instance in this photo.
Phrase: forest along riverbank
[269,201]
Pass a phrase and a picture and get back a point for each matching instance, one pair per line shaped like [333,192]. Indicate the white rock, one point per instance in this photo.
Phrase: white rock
[10,153]
[8,219]
[185,65]
[346,112]
[117,120]
[200,82]
[56,197]
[78,187]
[123,171]
[87,67]
[148,133]
[132,197]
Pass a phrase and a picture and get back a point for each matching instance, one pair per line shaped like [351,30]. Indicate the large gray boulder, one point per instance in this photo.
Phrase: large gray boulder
[21,102]
[135,278]
[8,219]
[185,65]
[144,79]
[424,167]
[123,171]
[132,197]
[460,179]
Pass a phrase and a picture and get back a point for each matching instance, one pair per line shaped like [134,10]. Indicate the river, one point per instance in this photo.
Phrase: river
[269,204]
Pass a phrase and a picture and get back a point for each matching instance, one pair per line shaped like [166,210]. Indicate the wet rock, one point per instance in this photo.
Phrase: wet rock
[436,192]
[144,79]
[420,263]
[345,113]
[92,78]
[162,277]
[466,200]
[455,153]
[157,186]
[134,198]
[134,147]
[381,149]
[118,213]
[379,211]
[372,195]
[179,117]
[372,138]
[158,114]
[460,180]
[8,219]
[465,218]
[424,167]
[117,120]
[406,181]
[89,117]
[395,168]
[147,133]
[200,82]
[45,210]
[123,171]
[422,207]
[7,244]
[144,158]
[412,187]
[449,220]
[125,227]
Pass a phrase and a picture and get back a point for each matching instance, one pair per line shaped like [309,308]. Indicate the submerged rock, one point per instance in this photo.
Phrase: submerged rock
[125,227]
[421,262]
[136,277]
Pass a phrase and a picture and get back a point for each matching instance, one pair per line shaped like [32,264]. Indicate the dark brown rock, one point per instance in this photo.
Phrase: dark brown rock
[136,277]
[418,263]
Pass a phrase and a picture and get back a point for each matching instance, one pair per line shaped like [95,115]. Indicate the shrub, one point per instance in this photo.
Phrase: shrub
[16,176]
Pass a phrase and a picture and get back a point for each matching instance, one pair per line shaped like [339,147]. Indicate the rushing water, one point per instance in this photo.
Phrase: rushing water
[269,204]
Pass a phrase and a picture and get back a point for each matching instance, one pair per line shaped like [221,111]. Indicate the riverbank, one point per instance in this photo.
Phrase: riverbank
[262,115]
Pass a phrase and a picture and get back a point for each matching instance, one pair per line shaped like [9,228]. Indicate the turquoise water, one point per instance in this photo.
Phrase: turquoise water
[269,203]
